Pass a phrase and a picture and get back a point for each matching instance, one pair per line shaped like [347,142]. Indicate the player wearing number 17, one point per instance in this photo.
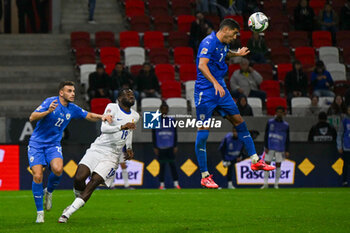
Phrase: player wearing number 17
[44,148]
[211,94]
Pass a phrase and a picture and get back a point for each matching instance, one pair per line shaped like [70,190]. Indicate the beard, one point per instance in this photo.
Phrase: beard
[127,103]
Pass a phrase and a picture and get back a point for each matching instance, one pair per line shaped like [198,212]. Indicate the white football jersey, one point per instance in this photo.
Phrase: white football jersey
[113,139]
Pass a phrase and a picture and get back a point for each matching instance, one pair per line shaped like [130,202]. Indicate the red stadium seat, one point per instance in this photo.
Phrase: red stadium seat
[170,89]
[215,20]
[340,87]
[109,55]
[134,8]
[290,6]
[98,105]
[274,39]
[109,67]
[183,55]
[273,102]
[159,56]
[104,39]
[184,22]
[265,70]
[158,7]
[163,23]
[85,56]
[277,5]
[279,23]
[129,39]
[271,87]
[181,7]
[282,70]
[317,5]
[338,4]
[280,55]
[321,38]
[346,55]
[165,72]
[153,39]
[135,70]
[298,39]
[343,38]
[79,40]
[238,18]
[178,39]
[306,55]
[244,37]
[232,68]
[187,72]
[140,23]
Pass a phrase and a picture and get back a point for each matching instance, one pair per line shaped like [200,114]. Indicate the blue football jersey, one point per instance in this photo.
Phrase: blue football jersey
[215,51]
[50,128]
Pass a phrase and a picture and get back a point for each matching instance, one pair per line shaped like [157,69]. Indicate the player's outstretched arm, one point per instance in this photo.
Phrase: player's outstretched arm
[96,117]
[239,53]
[35,116]
[203,67]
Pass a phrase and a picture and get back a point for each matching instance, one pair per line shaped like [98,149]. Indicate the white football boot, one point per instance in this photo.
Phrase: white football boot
[47,200]
[40,217]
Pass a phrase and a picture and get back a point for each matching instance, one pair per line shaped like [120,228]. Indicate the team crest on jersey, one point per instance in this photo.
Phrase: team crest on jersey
[67,116]
[204,51]
[31,159]
[202,117]
[272,127]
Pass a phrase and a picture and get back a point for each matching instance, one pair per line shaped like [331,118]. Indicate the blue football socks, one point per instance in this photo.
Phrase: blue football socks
[38,193]
[244,136]
[201,149]
[53,182]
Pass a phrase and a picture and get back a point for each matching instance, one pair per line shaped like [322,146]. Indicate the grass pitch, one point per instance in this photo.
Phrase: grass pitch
[186,210]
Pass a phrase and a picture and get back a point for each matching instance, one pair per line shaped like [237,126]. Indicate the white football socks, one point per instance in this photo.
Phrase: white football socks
[176,183]
[278,174]
[77,203]
[266,178]
[125,178]
[205,174]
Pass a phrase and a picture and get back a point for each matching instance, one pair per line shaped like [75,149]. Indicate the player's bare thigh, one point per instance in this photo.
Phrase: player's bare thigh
[57,166]
[235,119]
[37,173]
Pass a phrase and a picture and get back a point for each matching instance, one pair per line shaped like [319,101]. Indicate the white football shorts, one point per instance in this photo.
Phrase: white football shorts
[274,155]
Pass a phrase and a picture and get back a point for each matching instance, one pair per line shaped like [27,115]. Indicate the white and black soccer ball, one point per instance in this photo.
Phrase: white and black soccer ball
[258,22]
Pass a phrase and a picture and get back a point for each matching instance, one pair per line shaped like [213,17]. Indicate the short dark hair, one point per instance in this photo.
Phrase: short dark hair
[322,116]
[280,108]
[164,104]
[65,83]
[230,23]
[100,66]
[122,91]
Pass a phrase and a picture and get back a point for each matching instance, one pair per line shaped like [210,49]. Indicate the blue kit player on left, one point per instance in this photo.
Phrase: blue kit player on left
[44,148]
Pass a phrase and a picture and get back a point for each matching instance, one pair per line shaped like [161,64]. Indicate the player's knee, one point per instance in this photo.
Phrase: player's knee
[78,178]
[38,178]
[57,170]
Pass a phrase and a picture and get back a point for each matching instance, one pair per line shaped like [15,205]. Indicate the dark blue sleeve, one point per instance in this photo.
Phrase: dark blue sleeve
[329,78]
[206,49]
[44,106]
[78,112]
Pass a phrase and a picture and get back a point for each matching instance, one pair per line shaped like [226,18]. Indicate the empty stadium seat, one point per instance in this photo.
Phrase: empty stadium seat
[165,72]
[337,71]
[346,55]
[109,55]
[153,39]
[177,106]
[329,54]
[178,39]
[274,39]
[268,4]
[150,104]
[109,67]
[317,5]
[181,7]
[271,87]
[134,8]
[184,22]
[244,36]
[129,39]
[135,70]
[163,23]
[265,70]
[85,56]
[340,87]
[232,68]
[140,23]
[300,105]
[189,90]
[134,56]
[256,105]
[325,102]
[85,71]
[298,39]
[98,105]
[170,89]
[306,55]
[279,23]
[187,72]
[321,38]
[343,38]
[215,20]
[104,39]
[282,70]
[158,7]
[280,55]
[79,40]
[183,55]
[238,18]
[273,102]
[159,56]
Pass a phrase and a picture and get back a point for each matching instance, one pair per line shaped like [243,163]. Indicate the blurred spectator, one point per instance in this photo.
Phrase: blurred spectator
[199,30]
[42,8]
[246,82]
[244,108]
[338,106]
[347,97]
[147,82]
[296,82]
[314,108]
[257,47]
[321,81]
[276,143]
[328,19]
[343,144]
[165,147]
[25,8]
[231,149]
[322,131]
[344,18]
[304,16]
[207,6]
[121,78]
[99,83]
[91,6]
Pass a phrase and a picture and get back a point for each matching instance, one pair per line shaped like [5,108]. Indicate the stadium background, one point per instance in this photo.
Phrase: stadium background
[33,64]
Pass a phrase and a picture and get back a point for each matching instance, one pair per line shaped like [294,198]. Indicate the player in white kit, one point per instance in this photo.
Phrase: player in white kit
[104,155]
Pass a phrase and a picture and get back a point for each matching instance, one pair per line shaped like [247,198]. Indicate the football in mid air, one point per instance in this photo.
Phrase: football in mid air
[258,22]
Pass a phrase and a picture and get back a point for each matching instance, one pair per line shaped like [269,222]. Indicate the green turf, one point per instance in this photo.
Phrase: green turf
[186,210]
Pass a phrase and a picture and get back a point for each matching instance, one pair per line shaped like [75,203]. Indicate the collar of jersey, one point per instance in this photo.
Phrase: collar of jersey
[59,102]
[124,111]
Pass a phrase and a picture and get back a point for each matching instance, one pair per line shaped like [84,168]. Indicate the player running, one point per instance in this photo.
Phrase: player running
[211,94]
[102,158]
[44,148]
